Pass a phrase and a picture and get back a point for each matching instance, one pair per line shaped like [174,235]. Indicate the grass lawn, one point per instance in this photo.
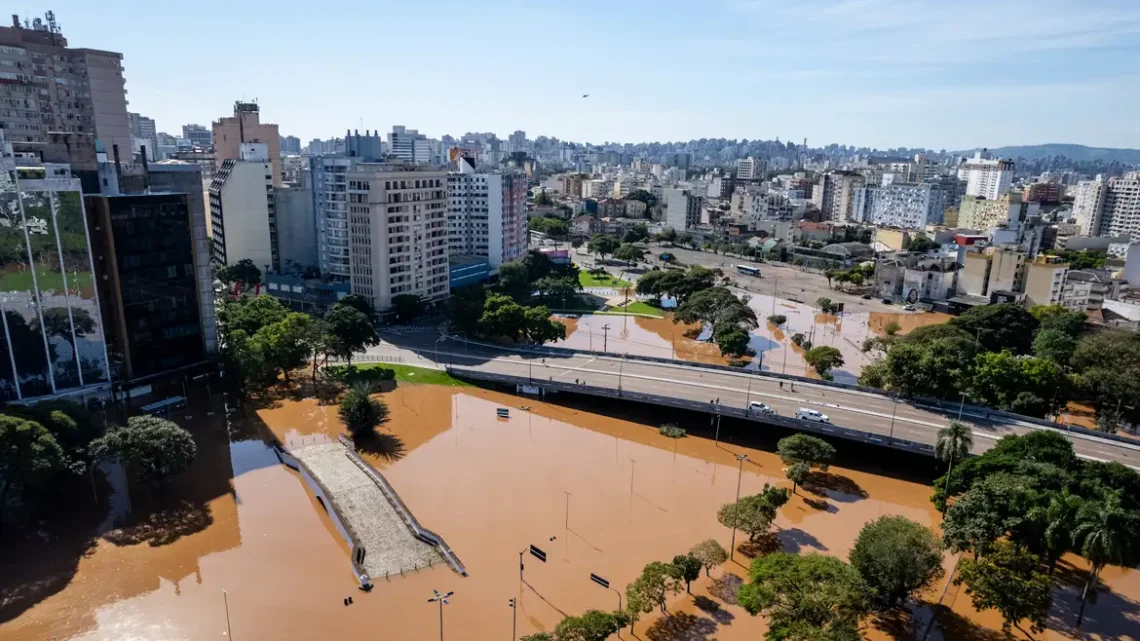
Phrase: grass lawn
[50,281]
[589,280]
[412,374]
[641,307]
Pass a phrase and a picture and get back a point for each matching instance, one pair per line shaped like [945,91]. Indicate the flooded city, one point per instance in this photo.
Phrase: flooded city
[240,547]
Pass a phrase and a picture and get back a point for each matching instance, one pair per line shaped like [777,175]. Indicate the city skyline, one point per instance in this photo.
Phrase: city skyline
[875,73]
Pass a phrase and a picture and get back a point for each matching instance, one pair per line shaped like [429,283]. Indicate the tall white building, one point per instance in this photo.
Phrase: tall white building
[986,177]
[1119,214]
[409,145]
[907,206]
[746,168]
[397,229]
[834,195]
[330,210]
[1088,204]
[243,209]
[486,214]
[682,209]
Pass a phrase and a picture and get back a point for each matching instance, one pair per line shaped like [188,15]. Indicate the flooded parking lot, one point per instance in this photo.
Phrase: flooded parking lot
[600,494]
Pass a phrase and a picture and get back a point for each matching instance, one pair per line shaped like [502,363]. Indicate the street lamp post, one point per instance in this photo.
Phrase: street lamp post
[621,366]
[605,337]
[961,405]
[514,618]
[894,409]
[740,458]
[717,440]
[748,398]
[442,600]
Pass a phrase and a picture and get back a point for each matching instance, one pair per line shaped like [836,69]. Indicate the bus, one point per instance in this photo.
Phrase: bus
[748,270]
[163,406]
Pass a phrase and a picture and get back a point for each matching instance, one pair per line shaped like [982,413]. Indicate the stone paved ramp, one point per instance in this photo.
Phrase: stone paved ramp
[368,514]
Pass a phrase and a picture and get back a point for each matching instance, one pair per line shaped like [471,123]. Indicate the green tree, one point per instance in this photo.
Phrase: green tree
[361,413]
[798,473]
[985,513]
[823,359]
[29,457]
[244,272]
[1029,385]
[753,514]
[407,307]
[1057,318]
[825,305]
[921,245]
[804,448]
[250,314]
[650,283]
[502,317]
[1107,366]
[349,331]
[593,625]
[602,245]
[1009,580]
[710,553]
[1105,534]
[997,327]
[154,448]
[359,303]
[896,558]
[514,280]
[1060,521]
[667,235]
[629,253]
[653,586]
[285,345]
[1055,345]
[644,196]
[539,328]
[538,636]
[805,597]
[636,234]
[954,444]
[688,569]
[732,341]
[777,319]
[939,367]
[716,306]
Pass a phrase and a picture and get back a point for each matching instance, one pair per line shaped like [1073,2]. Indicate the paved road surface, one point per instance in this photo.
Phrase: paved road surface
[848,408]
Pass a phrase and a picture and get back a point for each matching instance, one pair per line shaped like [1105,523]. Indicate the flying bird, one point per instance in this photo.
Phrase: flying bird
[585,95]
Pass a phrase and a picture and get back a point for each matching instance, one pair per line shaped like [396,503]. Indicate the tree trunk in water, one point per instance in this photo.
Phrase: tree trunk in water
[1085,595]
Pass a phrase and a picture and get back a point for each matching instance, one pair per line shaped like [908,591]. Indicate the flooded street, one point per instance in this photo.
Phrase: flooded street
[598,494]
[775,352]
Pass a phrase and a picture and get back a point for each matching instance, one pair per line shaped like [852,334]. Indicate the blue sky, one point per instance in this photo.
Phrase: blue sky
[932,73]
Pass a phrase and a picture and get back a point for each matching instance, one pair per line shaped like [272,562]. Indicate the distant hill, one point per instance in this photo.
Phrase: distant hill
[1073,152]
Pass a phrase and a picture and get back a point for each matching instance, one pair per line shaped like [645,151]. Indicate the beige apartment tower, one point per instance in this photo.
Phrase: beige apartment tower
[246,126]
[397,231]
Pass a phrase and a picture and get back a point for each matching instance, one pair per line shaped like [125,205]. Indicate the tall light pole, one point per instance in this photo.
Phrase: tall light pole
[740,458]
[717,441]
[514,618]
[961,405]
[748,398]
[605,337]
[442,600]
[894,408]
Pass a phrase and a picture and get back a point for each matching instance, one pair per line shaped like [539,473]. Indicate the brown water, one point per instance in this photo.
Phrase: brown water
[599,494]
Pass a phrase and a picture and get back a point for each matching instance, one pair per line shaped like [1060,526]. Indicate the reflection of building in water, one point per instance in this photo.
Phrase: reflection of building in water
[52,334]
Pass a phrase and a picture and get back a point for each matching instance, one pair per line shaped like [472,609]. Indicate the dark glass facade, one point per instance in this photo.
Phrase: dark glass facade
[143,251]
[52,341]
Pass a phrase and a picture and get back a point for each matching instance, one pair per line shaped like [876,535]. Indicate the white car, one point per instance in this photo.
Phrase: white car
[760,408]
[812,415]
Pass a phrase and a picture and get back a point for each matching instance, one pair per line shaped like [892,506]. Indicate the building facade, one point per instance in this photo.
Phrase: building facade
[53,340]
[1088,205]
[1120,215]
[48,87]
[330,209]
[245,126]
[486,215]
[682,209]
[143,134]
[905,205]
[1044,280]
[398,237]
[198,136]
[986,177]
[982,214]
[409,145]
[243,210]
[296,226]
[834,195]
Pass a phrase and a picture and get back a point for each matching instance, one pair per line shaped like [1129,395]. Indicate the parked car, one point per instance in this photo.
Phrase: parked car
[866,297]
[887,301]
[760,408]
[812,415]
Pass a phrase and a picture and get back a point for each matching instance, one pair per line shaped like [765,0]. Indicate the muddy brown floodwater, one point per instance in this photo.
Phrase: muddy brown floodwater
[599,494]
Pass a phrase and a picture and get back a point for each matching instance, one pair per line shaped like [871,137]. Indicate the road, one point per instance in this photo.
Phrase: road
[848,408]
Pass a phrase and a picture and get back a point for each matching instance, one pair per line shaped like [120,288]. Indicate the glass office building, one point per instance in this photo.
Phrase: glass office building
[53,341]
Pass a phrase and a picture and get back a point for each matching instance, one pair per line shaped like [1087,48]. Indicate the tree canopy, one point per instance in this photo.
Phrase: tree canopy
[805,448]
[152,447]
[753,514]
[823,359]
[805,597]
[999,327]
[602,245]
[896,558]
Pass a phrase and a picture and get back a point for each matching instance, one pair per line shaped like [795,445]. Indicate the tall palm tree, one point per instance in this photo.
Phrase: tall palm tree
[1060,519]
[954,443]
[1103,535]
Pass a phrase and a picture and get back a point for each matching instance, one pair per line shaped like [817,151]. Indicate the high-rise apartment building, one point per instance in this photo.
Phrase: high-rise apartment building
[746,168]
[409,145]
[1109,207]
[198,136]
[369,147]
[905,206]
[682,209]
[143,134]
[834,195]
[517,140]
[486,214]
[48,88]
[981,214]
[243,209]
[52,340]
[330,209]
[986,177]
[1044,280]
[290,145]
[230,133]
[397,226]
[296,226]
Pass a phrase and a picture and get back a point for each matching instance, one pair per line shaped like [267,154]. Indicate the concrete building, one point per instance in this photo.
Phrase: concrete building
[290,145]
[49,88]
[245,126]
[368,147]
[409,145]
[1044,280]
[1085,290]
[834,195]
[330,209]
[635,209]
[682,209]
[1119,211]
[1088,205]
[904,205]
[572,185]
[486,215]
[1132,266]
[398,238]
[981,214]
[296,226]
[986,177]
[52,342]
[929,279]
[746,168]
[243,209]
[1006,270]
[597,188]
[1043,192]
[611,208]
[143,134]
[198,136]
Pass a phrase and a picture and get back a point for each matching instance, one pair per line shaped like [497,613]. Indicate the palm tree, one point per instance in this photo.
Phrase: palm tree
[1104,535]
[1060,521]
[954,442]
